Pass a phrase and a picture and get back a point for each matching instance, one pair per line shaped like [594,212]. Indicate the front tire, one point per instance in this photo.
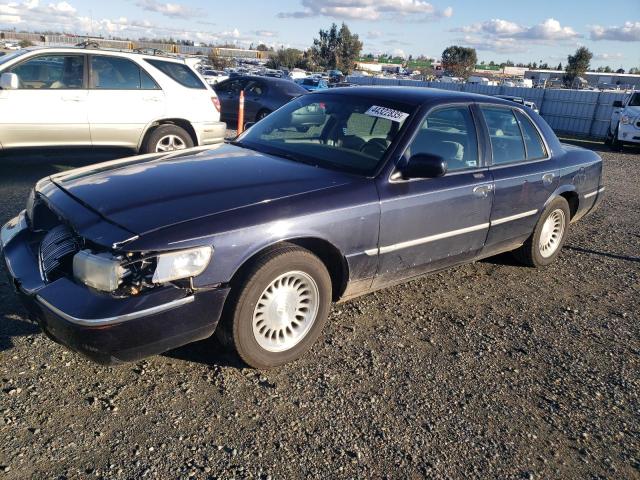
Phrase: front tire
[548,237]
[168,138]
[616,144]
[280,308]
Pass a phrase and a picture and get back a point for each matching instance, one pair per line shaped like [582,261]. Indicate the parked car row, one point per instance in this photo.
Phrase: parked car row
[94,97]
[262,95]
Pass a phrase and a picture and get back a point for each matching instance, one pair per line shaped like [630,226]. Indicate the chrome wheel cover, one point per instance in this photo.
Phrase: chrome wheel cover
[552,233]
[286,311]
[169,143]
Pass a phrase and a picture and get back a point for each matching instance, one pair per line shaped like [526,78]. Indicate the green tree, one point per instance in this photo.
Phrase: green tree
[336,49]
[25,43]
[262,48]
[285,58]
[459,61]
[577,64]
[218,62]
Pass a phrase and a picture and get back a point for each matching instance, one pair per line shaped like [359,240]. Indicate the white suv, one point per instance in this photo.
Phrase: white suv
[625,122]
[92,97]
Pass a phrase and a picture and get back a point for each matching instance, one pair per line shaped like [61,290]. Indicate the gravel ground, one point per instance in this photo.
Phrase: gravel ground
[490,370]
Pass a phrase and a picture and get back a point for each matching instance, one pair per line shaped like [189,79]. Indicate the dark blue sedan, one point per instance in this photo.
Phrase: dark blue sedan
[332,196]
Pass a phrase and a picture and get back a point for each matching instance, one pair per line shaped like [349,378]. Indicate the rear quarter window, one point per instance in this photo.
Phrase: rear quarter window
[178,72]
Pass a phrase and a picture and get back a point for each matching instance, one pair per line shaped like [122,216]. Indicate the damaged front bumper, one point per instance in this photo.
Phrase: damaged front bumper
[108,329]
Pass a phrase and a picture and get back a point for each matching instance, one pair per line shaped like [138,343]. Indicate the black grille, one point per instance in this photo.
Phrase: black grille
[56,250]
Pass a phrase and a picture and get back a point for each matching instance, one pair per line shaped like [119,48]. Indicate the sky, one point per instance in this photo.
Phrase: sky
[517,30]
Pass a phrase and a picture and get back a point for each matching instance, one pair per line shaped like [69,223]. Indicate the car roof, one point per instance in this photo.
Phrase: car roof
[105,51]
[415,95]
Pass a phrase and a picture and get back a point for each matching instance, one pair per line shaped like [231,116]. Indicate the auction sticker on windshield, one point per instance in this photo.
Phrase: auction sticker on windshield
[388,113]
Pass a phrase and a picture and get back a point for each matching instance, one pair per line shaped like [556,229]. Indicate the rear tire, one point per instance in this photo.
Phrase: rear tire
[280,308]
[167,138]
[548,237]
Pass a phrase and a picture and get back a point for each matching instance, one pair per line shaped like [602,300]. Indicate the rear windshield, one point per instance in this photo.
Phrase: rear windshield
[635,100]
[312,82]
[178,72]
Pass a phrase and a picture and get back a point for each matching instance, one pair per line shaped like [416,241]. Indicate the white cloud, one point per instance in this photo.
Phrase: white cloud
[550,29]
[629,32]
[32,15]
[265,33]
[172,10]
[608,56]
[368,9]
[504,36]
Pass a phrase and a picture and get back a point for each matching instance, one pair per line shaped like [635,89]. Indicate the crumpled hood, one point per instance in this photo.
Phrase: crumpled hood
[149,193]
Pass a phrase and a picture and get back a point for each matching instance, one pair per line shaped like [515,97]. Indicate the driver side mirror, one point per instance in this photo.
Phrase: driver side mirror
[248,125]
[617,104]
[424,165]
[9,81]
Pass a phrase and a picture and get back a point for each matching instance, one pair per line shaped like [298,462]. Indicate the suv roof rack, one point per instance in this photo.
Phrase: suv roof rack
[156,52]
[88,44]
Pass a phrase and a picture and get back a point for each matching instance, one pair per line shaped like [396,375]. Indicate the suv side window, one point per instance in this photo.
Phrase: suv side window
[507,143]
[51,72]
[532,140]
[450,133]
[178,72]
[115,73]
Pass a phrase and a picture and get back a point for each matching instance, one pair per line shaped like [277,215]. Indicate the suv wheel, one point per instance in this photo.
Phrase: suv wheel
[279,311]
[167,138]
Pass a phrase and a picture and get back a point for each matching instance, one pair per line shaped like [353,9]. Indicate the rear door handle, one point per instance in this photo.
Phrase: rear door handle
[547,178]
[152,99]
[482,190]
[72,99]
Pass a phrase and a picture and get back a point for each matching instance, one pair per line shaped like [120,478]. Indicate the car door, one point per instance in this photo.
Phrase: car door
[229,96]
[431,223]
[254,94]
[49,107]
[123,100]
[524,175]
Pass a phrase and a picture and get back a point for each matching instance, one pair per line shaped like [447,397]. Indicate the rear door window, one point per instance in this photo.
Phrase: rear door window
[115,73]
[507,144]
[178,72]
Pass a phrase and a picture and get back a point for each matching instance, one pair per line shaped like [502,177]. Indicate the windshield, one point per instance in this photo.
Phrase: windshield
[349,134]
[635,100]
[11,56]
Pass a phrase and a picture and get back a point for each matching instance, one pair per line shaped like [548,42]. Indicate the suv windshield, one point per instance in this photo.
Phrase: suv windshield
[349,134]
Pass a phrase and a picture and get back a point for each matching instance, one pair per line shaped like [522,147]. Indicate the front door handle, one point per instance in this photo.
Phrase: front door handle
[482,190]
[72,99]
[547,178]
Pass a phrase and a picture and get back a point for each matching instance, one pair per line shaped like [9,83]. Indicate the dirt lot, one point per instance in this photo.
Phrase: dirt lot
[489,370]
